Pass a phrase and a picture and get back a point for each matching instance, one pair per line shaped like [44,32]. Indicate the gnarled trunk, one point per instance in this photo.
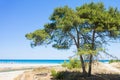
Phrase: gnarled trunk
[90,59]
[90,65]
[83,66]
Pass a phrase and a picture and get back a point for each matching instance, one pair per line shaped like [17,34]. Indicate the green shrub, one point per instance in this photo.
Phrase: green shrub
[68,75]
[53,73]
[111,61]
[73,63]
[57,75]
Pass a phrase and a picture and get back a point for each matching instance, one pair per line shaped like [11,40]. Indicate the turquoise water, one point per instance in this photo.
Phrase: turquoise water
[21,61]
[30,61]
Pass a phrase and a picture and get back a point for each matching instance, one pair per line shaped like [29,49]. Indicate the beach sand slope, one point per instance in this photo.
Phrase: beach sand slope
[10,75]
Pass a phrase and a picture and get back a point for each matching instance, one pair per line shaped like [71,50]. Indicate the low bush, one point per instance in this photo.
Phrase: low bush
[53,73]
[57,75]
[111,61]
[73,63]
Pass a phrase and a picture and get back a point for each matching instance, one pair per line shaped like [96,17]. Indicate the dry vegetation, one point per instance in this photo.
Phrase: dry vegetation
[100,72]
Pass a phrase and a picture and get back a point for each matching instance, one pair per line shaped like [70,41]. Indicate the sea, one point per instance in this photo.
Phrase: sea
[33,61]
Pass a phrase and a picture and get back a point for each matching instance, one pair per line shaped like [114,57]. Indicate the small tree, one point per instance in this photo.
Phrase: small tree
[87,27]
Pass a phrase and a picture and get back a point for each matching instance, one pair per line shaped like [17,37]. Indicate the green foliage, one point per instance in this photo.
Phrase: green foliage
[60,75]
[67,25]
[38,37]
[86,50]
[69,75]
[73,63]
[65,18]
[111,61]
[53,73]
[57,75]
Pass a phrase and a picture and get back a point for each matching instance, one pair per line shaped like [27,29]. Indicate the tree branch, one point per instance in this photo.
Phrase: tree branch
[78,37]
[73,38]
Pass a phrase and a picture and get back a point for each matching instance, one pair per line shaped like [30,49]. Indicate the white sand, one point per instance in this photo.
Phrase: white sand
[114,69]
[10,75]
[25,65]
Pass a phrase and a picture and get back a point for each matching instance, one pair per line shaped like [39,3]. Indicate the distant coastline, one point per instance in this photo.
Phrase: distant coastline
[38,61]
[32,61]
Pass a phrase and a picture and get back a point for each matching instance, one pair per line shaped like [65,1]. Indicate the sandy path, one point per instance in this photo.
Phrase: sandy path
[10,75]
[112,68]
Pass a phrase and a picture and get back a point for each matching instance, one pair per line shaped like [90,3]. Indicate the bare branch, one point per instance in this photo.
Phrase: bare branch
[73,38]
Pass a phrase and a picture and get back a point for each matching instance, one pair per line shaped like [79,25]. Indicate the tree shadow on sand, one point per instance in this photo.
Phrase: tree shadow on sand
[76,75]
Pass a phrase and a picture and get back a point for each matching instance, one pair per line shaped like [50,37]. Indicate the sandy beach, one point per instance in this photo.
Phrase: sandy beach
[10,71]
[10,75]
[42,71]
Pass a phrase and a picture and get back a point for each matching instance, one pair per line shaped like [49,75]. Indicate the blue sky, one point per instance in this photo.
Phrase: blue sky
[18,17]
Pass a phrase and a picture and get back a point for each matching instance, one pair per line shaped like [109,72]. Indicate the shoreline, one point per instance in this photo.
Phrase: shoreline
[14,67]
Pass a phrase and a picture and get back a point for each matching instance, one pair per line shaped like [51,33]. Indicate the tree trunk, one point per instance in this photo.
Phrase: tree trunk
[90,60]
[81,58]
[83,66]
[90,65]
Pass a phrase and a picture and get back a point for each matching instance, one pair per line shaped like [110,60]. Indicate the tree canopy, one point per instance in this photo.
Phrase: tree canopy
[87,27]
